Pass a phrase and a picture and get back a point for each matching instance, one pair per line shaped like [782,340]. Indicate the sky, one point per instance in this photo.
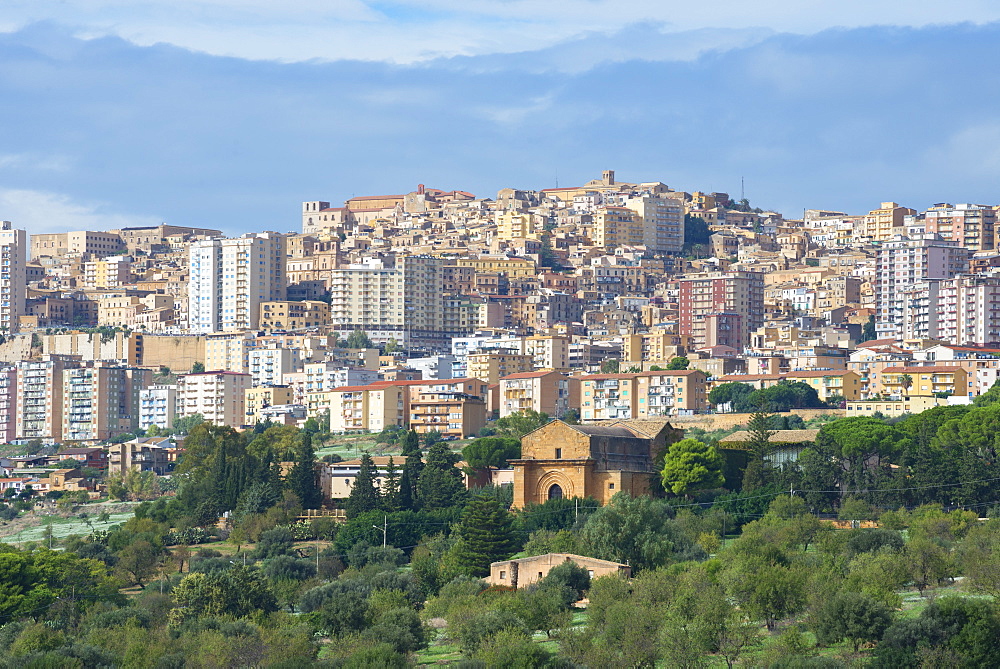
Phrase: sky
[230,113]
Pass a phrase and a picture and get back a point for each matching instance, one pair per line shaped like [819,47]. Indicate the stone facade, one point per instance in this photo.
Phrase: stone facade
[525,571]
[562,460]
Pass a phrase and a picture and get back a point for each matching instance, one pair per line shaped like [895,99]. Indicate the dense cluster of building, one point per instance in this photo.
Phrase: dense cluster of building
[573,301]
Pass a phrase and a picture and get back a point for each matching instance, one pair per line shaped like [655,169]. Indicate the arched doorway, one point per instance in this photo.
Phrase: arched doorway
[555,491]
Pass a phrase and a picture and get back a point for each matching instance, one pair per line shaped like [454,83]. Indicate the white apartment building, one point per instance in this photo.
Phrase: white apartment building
[963,310]
[324,376]
[901,264]
[268,366]
[157,406]
[231,277]
[220,397]
[404,302]
[13,286]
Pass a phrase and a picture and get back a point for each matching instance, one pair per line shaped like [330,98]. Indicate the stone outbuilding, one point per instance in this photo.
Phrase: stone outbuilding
[525,571]
[562,460]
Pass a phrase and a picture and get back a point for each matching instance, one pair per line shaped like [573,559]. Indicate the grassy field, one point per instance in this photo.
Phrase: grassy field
[350,446]
[63,527]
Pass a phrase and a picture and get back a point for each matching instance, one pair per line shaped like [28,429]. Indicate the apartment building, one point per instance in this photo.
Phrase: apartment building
[720,308]
[368,408]
[259,399]
[99,403]
[491,366]
[145,455]
[617,226]
[447,408]
[8,404]
[671,393]
[926,381]
[13,280]
[887,221]
[231,278]
[269,365]
[549,392]
[324,376]
[157,406]
[403,302]
[83,242]
[658,346]
[662,220]
[229,351]
[903,262]
[40,397]
[969,225]
[294,315]
[516,225]
[608,397]
[963,310]
[106,273]
[218,396]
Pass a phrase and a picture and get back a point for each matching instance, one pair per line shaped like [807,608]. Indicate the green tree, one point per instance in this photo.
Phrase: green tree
[198,367]
[610,366]
[853,616]
[391,487]
[364,495]
[138,561]
[184,424]
[759,447]
[359,339]
[689,465]
[868,330]
[440,485]
[734,394]
[392,346]
[410,444]
[678,363]
[637,531]
[302,478]
[486,534]
[516,425]
[488,452]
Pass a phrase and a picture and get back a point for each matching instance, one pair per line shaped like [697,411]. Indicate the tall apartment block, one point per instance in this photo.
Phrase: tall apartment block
[220,397]
[970,225]
[903,262]
[662,222]
[98,403]
[40,398]
[8,404]
[13,285]
[405,301]
[721,308]
[230,278]
[963,310]
[157,406]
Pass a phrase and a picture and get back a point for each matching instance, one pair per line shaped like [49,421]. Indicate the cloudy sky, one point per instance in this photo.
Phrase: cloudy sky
[230,113]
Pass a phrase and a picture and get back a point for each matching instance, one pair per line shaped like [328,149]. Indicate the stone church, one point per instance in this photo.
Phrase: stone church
[563,460]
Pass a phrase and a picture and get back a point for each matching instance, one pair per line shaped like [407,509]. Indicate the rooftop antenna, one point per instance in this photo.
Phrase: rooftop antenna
[743,194]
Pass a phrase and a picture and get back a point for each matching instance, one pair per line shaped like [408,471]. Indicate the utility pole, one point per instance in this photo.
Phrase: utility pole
[791,491]
[384,529]
[577,500]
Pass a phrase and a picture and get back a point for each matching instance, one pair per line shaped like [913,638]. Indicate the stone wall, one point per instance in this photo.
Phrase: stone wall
[726,421]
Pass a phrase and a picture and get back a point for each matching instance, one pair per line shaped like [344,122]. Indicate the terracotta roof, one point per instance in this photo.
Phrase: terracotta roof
[777,436]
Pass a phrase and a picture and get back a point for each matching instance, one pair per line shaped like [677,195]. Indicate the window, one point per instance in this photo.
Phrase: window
[611,486]
[558,454]
[539,574]
[503,575]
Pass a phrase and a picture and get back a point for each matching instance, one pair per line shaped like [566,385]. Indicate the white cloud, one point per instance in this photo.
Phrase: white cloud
[409,31]
[34,162]
[40,212]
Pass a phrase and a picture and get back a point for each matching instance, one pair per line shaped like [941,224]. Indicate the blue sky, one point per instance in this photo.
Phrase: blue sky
[229,113]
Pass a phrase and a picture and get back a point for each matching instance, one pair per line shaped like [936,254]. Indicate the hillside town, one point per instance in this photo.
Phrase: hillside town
[613,424]
[440,310]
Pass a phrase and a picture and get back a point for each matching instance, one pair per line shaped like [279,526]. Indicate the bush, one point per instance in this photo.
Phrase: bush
[274,542]
[478,628]
[871,541]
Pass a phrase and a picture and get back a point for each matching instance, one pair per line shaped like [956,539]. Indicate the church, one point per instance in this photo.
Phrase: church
[563,460]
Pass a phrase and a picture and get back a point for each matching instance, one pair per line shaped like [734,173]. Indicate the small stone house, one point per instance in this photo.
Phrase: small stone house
[525,571]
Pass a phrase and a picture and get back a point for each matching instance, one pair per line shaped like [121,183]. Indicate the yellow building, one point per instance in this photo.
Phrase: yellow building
[879,223]
[669,393]
[907,382]
[617,226]
[294,315]
[513,267]
[515,225]
[655,347]
[491,366]
[830,383]
[261,398]
[608,397]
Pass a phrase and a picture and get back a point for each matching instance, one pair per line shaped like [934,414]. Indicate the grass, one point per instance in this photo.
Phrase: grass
[64,527]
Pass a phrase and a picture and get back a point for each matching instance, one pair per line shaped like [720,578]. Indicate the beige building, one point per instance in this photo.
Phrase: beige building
[106,273]
[76,244]
[40,397]
[513,267]
[294,315]
[925,381]
[101,402]
[515,225]
[882,223]
[228,351]
[669,393]
[617,226]
[491,366]
[553,393]
[258,399]
[608,397]
[657,346]
[530,570]
[145,455]
[218,396]
[455,408]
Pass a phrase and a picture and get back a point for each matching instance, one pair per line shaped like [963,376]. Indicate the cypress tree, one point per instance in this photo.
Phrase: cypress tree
[302,478]
[391,487]
[440,484]
[364,493]
[486,534]
[411,443]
